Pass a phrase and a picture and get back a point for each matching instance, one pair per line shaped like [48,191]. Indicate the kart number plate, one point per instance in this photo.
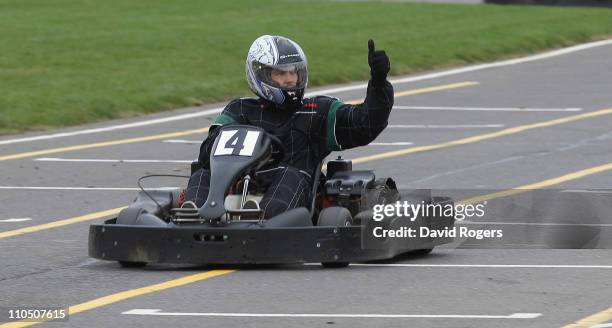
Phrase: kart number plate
[236,142]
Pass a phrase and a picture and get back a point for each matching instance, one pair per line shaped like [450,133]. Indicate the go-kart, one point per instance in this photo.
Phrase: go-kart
[335,230]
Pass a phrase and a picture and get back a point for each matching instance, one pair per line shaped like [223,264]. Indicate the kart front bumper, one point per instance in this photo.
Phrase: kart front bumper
[194,244]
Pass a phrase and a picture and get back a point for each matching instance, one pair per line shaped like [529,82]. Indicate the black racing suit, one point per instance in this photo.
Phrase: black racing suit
[311,132]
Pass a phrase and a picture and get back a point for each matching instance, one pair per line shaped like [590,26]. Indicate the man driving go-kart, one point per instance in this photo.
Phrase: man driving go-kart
[310,129]
[257,194]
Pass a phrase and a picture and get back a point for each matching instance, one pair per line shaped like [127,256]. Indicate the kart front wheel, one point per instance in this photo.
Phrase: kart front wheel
[335,217]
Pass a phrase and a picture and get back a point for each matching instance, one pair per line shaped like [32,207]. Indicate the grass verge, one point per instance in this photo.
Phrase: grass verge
[67,62]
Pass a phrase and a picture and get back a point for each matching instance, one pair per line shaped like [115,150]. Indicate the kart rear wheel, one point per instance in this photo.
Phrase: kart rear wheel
[130,264]
[335,217]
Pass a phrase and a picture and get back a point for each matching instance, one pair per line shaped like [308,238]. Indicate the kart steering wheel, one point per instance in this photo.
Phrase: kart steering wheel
[278,150]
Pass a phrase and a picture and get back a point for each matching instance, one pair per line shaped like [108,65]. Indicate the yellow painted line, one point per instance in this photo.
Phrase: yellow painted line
[481,137]
[102,144]
[121,296]
[538,185]
[424,90]
[55,224]
[592,320]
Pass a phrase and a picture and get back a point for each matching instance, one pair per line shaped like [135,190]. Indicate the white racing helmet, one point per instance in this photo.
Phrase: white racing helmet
[268,53]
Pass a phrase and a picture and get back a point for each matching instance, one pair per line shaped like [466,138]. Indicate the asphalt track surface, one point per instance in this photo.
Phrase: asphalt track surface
[448,288]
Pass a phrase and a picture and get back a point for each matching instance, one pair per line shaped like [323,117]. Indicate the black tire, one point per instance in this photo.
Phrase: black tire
[335,217]
[128,216]
[130,264]
[335,265]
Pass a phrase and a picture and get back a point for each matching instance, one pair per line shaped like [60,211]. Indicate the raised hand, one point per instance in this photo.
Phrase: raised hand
[379,63]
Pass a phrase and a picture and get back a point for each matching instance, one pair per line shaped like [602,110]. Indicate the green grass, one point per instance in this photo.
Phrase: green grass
[69,62]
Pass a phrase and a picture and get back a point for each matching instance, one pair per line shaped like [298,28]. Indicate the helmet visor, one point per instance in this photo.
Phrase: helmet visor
[283,76]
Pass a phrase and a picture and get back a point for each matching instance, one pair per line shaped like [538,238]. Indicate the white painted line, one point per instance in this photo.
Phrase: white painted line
[448,126]
[331,315]
[399,143]
[492,109]
[116,127]
[585,191]
[505,266]
[181,141]
[102,160]
[424,77]
[602,325]
[87,262]
[546,224]
[83,188]
[15,220]
[479,67]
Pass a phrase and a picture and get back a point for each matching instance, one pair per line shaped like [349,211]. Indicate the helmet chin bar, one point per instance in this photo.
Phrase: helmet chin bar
[283,98]
[293,98]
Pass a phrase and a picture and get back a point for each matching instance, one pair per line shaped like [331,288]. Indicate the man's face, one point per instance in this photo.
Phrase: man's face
[285,79]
